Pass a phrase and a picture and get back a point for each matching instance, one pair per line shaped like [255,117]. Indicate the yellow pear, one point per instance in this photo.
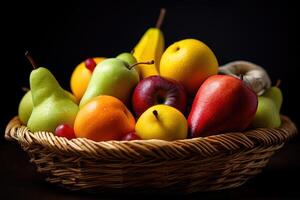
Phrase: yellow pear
[150,47]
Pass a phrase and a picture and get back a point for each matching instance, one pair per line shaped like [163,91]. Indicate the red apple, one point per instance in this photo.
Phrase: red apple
[64,130]
[158,90]
[222,104]
[131,136]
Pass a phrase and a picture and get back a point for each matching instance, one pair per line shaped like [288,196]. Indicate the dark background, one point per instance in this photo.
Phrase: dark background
[60,36]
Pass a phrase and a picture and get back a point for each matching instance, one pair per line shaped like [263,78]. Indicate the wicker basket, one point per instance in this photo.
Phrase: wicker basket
[185,166]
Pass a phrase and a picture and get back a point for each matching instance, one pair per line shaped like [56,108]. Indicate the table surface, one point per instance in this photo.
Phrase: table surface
[19,180]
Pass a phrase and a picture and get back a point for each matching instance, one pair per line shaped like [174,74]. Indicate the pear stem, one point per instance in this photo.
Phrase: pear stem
[241,77]
[155,113]
[145,63]
[31,60]
[278,83]
[160,18]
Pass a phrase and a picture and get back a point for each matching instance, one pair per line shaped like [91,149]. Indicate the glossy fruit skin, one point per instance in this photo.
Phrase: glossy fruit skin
[267,114]
[64,130]
[150,47]
[112,77]
[268,110]
[52,106]
[189,62]
[127,57]
[81,77]
[170,124]
[155,90]
[90,64]
[275,94]
[131,136]
[222,104]
[104,118]
[25,107]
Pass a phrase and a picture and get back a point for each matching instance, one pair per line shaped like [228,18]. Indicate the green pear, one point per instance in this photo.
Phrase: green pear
[25,107]
[114,77]
[268,109]
[275,94]
[52,105]
[127,57]
[267,114]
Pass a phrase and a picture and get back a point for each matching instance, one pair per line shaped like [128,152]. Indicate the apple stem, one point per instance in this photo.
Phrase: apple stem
[278,83]
[31,60]
[145,63]
[241,77]
[155,113]
[160,18]
[132,51]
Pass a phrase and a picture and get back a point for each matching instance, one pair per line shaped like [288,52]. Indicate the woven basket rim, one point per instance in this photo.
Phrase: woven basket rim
[215,145]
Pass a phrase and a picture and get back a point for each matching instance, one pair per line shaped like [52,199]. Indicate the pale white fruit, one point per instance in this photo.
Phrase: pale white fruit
[253,75]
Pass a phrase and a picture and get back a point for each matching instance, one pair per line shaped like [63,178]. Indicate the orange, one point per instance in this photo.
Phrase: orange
[104,118]
[81,77]
[189,62]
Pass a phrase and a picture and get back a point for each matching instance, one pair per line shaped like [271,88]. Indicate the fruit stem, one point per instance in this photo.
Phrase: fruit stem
[155,113]
[145,63]
[31,60]
[160,18]
[132,51]
[278,83]
[241,77]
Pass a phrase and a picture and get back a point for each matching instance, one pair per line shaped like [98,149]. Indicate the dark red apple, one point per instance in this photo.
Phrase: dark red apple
[64,130]
[158,90]
[222,104]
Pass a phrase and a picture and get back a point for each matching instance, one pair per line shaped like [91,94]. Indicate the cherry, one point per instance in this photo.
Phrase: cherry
[131,136]
[90,64]
[64,130]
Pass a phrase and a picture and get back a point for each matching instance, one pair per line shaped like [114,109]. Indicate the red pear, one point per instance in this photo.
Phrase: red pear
[222,104]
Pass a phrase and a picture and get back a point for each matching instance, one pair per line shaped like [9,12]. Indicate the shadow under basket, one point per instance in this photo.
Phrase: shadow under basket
[183,166]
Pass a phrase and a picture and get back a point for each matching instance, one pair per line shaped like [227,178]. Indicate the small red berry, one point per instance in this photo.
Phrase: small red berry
[90,64]
[131,136]
[64,130]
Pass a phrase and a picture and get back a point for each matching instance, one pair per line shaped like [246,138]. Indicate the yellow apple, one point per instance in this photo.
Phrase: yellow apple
[189,62]
[162,122]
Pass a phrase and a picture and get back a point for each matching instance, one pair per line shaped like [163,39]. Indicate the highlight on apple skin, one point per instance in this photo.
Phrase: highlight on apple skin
[155,90]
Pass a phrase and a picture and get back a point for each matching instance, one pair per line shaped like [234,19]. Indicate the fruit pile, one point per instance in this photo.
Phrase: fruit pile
[151,93]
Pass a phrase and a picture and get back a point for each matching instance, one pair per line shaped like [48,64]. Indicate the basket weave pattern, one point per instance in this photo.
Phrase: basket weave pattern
[190,165]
